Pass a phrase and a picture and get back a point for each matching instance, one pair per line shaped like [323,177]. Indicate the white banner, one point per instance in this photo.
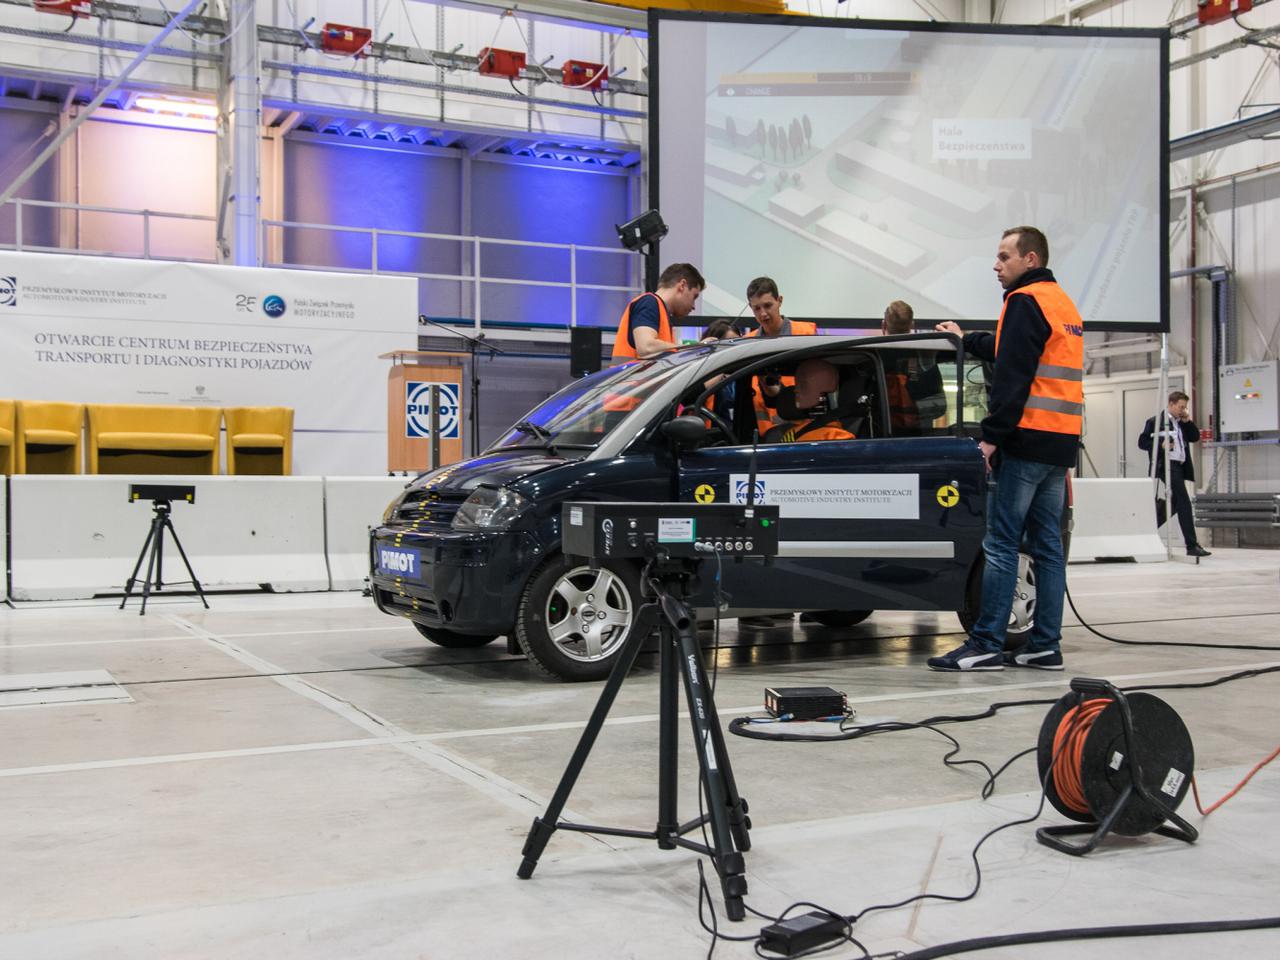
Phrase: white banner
[100,330]
[865,496]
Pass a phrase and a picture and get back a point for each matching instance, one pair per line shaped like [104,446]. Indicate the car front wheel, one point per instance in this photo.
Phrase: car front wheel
[573,620]
[1022,616]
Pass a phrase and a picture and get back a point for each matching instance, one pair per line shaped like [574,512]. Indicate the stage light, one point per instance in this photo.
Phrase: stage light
[643,231]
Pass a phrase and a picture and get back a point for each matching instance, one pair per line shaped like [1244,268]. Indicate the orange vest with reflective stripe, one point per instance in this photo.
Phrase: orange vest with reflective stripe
[1056,401]
[622,348]
[765,419]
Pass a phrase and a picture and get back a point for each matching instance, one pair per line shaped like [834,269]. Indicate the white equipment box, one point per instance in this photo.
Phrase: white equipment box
[1249,397]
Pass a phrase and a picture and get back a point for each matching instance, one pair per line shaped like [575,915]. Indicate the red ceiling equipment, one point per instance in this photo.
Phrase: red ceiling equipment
[1211,11]
[583,74]
[70,8]
[339,38]
[502,63]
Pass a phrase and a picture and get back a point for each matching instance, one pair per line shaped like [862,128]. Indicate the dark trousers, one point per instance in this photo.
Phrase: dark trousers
[1181,505]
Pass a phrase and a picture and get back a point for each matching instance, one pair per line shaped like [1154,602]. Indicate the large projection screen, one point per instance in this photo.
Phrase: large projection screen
[859,162]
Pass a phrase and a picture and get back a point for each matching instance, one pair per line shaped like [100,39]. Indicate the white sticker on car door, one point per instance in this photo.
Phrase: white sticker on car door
[862,496]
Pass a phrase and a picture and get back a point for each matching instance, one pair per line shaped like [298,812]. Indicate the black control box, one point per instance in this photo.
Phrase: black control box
[805,703]
[612,530]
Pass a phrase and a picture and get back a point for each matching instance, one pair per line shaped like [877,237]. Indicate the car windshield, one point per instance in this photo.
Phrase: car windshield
[584,412]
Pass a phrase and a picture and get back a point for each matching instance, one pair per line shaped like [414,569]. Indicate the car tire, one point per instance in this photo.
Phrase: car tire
[1021,618]
[452,640]
[572,621]
[838,618]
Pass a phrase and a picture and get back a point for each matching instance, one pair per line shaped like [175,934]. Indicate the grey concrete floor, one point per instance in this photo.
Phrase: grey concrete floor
[300,776]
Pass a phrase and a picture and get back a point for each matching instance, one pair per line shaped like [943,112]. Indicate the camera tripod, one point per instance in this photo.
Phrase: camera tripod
[666,582]
[160,522]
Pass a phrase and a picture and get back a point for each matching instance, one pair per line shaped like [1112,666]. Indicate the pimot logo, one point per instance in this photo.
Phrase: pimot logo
[8,291]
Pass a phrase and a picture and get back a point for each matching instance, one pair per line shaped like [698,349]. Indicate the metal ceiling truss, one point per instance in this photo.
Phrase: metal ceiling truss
[215,28]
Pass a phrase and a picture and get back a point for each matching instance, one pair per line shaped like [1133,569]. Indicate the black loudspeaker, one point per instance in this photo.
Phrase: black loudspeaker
[584,351]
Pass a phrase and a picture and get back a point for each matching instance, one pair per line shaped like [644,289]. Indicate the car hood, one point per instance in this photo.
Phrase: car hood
[492,470]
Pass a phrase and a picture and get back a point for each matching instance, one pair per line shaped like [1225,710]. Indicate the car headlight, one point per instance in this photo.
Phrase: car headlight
[390,512]
[489,509]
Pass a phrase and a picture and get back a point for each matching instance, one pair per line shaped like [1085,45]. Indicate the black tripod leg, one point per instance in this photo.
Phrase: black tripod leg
[158,525]
[728,861]
[133,577]
[668,725]
[545,825]
[739,822]
[182,553]
[159,545]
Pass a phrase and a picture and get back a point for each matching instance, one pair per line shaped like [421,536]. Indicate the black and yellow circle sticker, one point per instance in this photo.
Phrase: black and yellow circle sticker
[948,495]
[705,493]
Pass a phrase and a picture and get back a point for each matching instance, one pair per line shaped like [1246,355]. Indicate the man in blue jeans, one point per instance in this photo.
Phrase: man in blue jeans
[1029,438]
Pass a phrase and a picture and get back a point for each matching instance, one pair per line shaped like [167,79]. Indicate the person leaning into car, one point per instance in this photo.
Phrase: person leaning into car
[1030,436]
[644,330]
[766,306]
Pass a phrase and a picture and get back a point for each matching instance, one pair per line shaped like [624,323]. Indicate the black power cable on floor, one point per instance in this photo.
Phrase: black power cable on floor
[1165,643]
[1089,933]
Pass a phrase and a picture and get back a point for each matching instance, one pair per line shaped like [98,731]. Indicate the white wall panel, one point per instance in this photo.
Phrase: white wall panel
[77,536]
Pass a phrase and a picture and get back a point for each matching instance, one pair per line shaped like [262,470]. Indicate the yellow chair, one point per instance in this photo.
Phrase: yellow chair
[48,437]
[137,438]
[6,437]
[260,441]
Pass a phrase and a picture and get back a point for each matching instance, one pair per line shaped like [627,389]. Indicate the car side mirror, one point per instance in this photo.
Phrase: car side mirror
[686,431]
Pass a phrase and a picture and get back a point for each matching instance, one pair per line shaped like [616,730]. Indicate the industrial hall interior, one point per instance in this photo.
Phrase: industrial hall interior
[639,479]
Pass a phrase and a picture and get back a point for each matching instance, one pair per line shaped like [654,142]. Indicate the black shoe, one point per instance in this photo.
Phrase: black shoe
[967,658]
[1195,550]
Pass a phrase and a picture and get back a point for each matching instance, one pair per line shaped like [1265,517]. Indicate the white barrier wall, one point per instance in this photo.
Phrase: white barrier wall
[351,506]
[76,536]
[1115,518]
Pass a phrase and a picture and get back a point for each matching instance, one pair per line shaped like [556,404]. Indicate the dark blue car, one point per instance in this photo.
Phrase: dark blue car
[890,520]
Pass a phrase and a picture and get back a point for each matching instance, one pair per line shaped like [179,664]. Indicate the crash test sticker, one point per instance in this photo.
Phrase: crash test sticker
[675,529]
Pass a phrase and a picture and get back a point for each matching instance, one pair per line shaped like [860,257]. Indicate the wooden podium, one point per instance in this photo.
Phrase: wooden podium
[409,441]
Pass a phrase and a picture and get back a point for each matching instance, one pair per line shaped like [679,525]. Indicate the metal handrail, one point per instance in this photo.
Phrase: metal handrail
[19,204]
[475,276]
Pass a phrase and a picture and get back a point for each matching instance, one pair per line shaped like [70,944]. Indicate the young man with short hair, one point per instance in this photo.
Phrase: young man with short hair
[645,329]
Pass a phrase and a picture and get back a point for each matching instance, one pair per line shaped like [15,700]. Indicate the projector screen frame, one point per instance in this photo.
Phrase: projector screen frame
[654,262]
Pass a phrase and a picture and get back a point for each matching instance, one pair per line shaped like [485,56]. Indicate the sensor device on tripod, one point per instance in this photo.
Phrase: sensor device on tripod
[673,539]
[620,530]
[161,496]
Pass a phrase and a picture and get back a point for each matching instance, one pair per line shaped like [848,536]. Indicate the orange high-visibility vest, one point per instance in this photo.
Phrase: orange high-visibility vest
[903,411]
[795,433]
[1056,401]
[622,348]
[766,420]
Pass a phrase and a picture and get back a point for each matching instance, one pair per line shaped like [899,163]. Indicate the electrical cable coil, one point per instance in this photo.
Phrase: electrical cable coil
[1086,768]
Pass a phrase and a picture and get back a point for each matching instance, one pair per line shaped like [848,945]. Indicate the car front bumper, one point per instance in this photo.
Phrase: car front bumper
[466,582]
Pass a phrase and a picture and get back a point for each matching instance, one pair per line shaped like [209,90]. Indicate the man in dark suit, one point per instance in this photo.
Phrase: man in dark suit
[1177,432]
